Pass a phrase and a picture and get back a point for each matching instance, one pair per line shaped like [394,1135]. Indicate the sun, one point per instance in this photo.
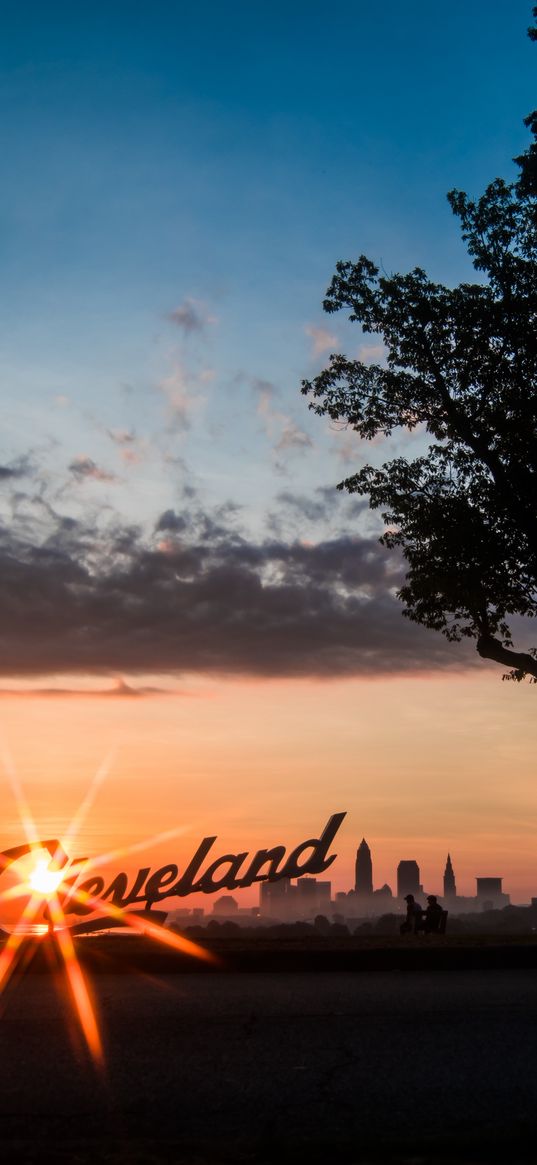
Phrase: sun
[44,879]
[43,887]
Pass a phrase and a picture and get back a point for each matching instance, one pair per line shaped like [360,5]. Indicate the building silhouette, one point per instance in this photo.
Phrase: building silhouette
[408,879]
[385,892]
[275,897]
[225,906]
[313,897]
[450,888]
[364,869]
[490,895]
[283,901]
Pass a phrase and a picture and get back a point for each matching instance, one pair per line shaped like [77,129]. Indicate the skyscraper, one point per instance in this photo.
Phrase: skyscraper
[408,879]
[450,889]
[364,869]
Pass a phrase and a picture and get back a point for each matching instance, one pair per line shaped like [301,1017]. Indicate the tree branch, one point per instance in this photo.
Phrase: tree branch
[490,648]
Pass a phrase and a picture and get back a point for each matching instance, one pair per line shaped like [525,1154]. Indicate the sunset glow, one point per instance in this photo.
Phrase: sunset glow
[419,764]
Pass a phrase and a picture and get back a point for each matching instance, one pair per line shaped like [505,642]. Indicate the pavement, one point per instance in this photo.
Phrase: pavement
[409,1068]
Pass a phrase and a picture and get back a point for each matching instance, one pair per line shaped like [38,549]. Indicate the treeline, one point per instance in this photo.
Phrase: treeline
[509,920]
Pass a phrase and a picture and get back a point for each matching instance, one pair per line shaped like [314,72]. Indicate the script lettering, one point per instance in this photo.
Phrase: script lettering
[266,865]
[157,882]
[184,885]
[318,861]
[272,856]
[207,883]
[135,895]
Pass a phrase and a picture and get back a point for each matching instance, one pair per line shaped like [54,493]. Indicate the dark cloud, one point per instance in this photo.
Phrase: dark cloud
[211,601]
[324,507]
[321,505]
[169,520]
[16,470]
[84,467]
[313,509]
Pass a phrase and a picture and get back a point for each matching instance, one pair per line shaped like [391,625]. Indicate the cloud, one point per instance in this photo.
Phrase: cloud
[348,445]
[23,466]
[322,505]
[372,353]
[120,689]
[83,467]
[182,395]
[210,601]
[131,450]
[323,340]
[122,437]
[12,472]
[292,437]
[191,317]
[170,521]
[282,431]
[313,509]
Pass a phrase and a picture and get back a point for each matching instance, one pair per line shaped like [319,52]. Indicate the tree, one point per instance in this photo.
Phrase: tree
[462,364]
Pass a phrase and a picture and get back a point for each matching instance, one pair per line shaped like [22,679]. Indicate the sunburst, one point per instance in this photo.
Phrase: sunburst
[48,881]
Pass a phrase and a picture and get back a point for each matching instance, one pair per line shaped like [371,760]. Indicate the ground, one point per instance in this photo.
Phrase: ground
[261,1067]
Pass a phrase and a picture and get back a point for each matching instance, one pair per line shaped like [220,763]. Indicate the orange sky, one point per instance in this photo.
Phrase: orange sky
[420,765]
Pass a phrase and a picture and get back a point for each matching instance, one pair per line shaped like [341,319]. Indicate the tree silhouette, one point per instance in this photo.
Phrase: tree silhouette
[461,364]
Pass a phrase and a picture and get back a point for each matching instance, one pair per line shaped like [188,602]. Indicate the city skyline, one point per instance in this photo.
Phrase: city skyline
[408,880]
[309,896]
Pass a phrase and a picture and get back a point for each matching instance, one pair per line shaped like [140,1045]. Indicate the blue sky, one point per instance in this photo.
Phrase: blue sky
[177,187]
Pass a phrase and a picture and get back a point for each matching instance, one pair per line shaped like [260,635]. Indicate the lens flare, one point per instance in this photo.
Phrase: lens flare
[43,888]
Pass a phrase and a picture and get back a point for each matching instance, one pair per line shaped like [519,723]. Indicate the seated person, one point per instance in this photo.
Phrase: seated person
[433,915]
[414,912]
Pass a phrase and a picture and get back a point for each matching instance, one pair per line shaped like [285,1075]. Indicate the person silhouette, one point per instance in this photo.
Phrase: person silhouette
[433,914]
[413,918]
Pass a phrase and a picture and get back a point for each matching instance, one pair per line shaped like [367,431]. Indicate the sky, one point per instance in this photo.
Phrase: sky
[181,582]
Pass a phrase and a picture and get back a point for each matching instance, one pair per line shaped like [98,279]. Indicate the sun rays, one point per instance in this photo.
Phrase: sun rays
[48,884]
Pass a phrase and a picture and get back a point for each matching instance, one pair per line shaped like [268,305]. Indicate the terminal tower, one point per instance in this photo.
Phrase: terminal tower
[450,889]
